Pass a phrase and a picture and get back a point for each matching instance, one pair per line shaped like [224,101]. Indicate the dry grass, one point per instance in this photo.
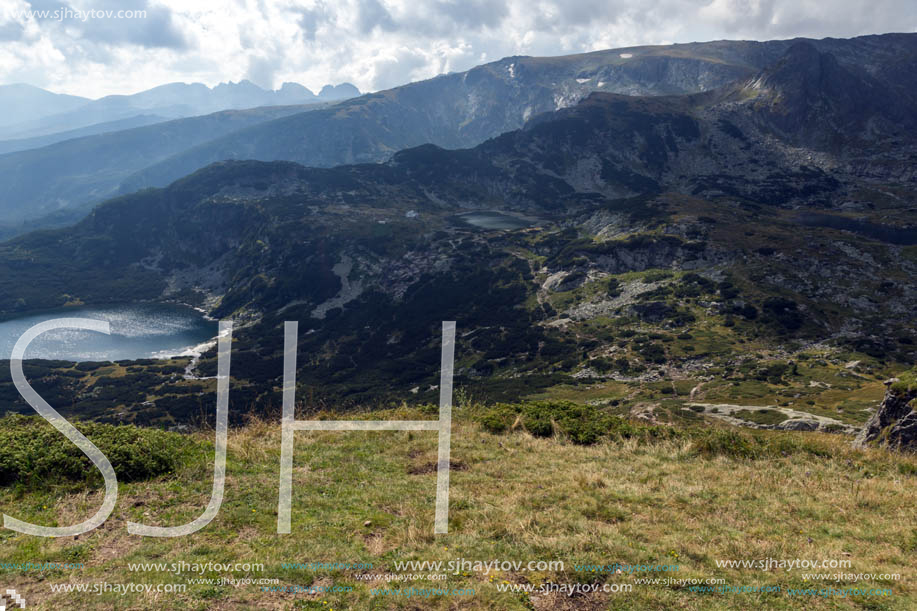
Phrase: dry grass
[515,498]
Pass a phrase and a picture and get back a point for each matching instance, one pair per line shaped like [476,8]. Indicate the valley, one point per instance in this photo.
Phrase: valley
[683,279]
[668,254]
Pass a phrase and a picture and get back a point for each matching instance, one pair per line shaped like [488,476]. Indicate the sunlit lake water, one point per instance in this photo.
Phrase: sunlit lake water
[137,332]
[489,219]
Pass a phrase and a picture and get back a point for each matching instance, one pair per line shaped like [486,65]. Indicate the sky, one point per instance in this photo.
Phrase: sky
[374,44]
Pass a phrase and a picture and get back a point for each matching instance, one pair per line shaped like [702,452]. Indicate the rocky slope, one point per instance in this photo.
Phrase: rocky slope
[664,245]
[894,424]
[454,110]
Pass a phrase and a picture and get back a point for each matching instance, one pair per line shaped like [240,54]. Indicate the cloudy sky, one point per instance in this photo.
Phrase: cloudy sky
[376,44]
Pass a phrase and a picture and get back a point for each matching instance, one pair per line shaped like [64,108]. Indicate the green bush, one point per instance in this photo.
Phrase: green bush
[652,353]
[34,454]
[538,418]
[497,419]
[614,287]
[582,424]
[783,313]
[656,275]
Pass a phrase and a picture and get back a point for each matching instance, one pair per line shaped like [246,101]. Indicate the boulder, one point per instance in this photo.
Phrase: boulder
[798,424]
[894,424]
[564,281]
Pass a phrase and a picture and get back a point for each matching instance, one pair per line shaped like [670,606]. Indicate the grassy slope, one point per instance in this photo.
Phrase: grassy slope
[514,497]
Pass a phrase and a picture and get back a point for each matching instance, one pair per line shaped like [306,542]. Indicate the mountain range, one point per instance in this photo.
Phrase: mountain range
[657,238]
[60,183]
[453,110]
[681,280]
[35,112]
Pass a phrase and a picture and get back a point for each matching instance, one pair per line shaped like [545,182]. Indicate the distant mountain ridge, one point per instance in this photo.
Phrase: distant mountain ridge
[463,109]
[22,103]
[666,236]
[562,164]
[173,100]
[68,175]
[24,144]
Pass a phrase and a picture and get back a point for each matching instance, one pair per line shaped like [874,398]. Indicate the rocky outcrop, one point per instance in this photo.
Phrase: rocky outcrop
[565,281]
[894,424]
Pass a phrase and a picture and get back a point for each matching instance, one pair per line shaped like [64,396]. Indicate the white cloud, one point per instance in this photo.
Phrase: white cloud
[377,44]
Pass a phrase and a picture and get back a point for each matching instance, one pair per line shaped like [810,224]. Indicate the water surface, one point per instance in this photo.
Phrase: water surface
[905,236]
[490,219]
[137,332]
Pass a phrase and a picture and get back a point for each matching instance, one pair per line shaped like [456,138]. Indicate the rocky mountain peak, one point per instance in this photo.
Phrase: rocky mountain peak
[810,97]
[803,68]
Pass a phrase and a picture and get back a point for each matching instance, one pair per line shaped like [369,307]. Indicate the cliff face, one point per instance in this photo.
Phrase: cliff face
[895,422]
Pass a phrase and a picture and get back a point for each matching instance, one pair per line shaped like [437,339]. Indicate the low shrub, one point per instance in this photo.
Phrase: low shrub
[588,424]
[582,424]
[34,454]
